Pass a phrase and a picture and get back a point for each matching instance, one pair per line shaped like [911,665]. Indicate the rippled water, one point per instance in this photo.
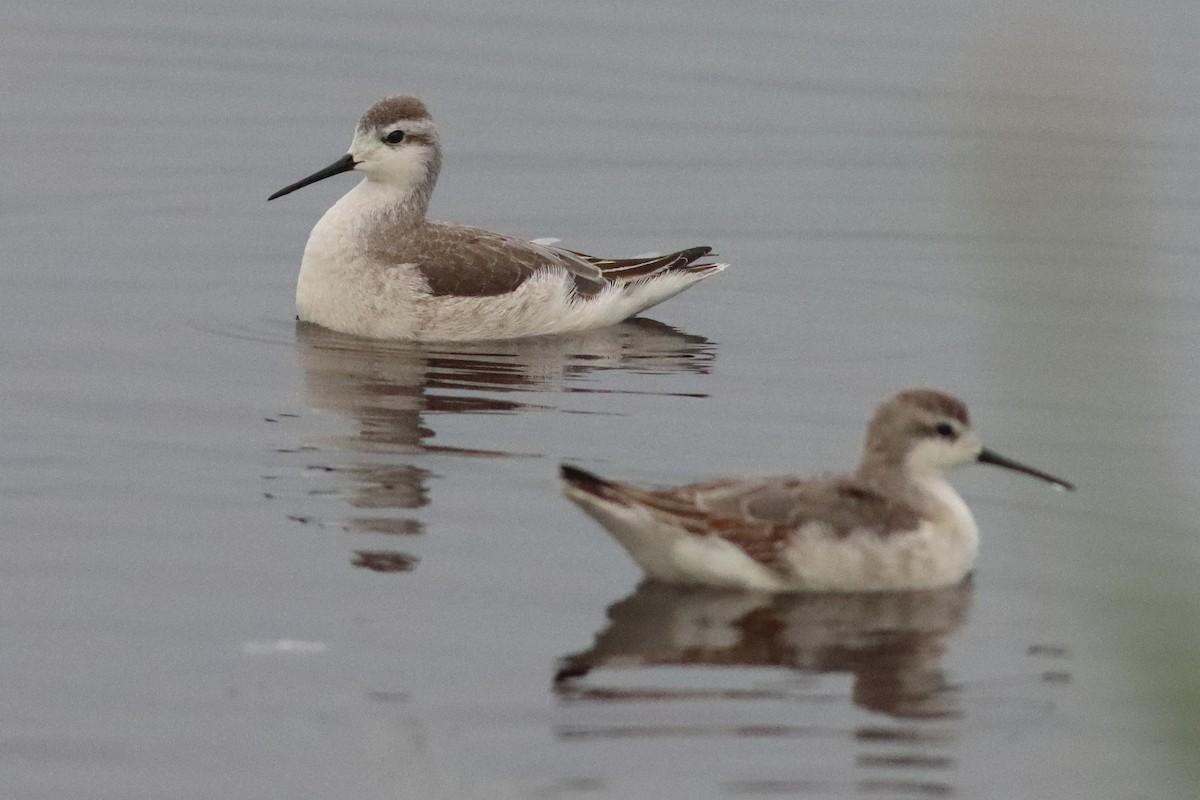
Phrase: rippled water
[248,558]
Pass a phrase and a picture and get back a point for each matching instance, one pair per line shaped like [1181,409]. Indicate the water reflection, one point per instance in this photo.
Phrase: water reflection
[392,392]
[890,643]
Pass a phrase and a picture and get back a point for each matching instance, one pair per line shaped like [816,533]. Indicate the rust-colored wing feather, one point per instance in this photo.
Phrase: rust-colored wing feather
[760,515]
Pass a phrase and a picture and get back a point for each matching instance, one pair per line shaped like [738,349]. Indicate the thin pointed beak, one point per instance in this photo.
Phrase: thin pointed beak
[987,456]
[343,164]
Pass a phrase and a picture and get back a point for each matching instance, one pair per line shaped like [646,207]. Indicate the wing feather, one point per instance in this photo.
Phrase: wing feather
[461,261]
[760,515]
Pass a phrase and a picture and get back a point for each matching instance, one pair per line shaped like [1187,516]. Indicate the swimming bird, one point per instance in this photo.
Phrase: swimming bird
[895,523]
[374,266]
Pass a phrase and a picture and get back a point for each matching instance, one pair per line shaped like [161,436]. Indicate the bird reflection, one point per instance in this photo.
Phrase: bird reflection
[891,643]
[391,392]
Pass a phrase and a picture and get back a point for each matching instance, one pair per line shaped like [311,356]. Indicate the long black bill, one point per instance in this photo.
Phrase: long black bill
[343,164]
[987,456]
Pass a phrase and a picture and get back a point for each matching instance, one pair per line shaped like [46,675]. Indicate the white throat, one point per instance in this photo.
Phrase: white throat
[949,503]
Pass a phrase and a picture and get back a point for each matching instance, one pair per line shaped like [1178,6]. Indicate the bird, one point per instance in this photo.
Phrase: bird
[376,267]
[895,523]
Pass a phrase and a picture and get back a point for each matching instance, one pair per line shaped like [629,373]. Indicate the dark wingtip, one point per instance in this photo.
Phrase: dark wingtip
[591,484]
[582,479]
[571,668]
[692,253]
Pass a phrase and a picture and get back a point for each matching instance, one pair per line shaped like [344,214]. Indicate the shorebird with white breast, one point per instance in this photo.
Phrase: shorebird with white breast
[374,266]
[895,523]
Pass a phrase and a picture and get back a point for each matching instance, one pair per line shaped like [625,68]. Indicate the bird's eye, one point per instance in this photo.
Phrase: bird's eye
[944,429]
[395,137]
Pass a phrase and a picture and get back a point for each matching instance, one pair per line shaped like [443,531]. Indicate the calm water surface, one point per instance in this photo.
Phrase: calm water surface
[243,557]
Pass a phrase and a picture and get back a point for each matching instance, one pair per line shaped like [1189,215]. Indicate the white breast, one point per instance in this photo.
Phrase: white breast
[938,552]
[341,289]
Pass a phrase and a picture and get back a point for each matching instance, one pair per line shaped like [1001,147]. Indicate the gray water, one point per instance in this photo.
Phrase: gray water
[243,558]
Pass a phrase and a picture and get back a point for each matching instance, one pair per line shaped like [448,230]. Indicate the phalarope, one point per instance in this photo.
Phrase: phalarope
[374,266]
[895,523]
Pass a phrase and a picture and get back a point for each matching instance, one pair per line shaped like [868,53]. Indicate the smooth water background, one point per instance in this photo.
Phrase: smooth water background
[242,558]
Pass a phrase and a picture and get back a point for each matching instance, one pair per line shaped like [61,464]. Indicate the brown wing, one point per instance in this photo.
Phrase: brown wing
[761,518]
[456,260]
[839,502]
[760,515]
[460,261]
